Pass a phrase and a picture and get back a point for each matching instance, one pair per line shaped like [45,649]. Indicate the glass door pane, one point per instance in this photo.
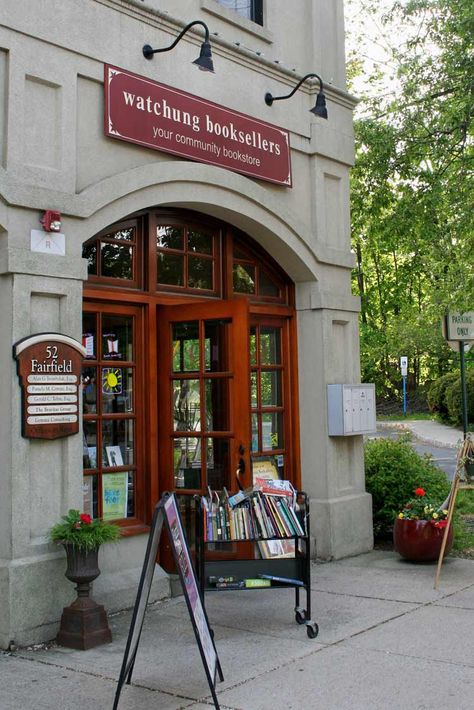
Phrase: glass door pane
[200,403]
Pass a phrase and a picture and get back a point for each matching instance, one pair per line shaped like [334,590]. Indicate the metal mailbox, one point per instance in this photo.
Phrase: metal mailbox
[351,409]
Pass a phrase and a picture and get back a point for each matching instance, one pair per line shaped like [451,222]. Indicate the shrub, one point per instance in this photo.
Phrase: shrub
[453,399]
[437,393]
[393,470]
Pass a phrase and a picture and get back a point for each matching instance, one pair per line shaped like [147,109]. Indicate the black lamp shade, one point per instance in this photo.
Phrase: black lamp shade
[204,61]
[320,108]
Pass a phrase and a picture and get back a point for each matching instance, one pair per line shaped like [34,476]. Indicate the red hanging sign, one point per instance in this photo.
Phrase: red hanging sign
[157,116]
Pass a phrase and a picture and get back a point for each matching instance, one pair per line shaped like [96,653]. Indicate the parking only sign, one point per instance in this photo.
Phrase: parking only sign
[404,365]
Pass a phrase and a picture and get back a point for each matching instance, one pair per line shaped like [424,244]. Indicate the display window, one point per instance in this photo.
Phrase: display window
[112,389]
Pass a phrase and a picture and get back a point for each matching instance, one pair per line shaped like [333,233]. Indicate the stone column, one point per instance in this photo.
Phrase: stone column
[39,479]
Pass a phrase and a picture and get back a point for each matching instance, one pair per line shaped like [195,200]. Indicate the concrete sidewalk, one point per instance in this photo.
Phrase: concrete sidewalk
[387,641]
[428,431]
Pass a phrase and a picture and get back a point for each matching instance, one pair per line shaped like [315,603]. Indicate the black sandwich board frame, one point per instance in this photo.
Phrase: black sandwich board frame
[166,511]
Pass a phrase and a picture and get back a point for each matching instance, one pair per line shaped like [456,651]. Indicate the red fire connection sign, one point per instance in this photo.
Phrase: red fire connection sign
[157,116]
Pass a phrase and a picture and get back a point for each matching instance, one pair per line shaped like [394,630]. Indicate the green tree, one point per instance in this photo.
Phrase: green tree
[412,190]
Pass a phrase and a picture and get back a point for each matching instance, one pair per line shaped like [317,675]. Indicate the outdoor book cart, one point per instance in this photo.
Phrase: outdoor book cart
[290,569]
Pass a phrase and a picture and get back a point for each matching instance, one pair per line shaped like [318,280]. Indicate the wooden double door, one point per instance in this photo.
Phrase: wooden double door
[223,402]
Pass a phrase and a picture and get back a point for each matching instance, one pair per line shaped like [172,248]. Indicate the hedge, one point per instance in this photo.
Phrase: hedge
[437,393]
[453,399]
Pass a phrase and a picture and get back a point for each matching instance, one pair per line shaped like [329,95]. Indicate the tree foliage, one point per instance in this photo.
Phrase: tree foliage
[413,190]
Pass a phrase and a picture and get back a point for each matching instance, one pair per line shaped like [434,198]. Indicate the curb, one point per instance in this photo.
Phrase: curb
[405,427]
[392,425]
[436,442]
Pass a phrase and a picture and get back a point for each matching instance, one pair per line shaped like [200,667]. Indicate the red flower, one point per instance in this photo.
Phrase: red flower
[420,492]
[85,518]
[441,524]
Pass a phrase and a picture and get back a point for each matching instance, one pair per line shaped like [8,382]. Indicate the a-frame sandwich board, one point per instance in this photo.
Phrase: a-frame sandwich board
[167,513]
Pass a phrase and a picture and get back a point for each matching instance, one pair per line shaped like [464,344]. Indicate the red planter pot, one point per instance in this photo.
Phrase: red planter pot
[420,540]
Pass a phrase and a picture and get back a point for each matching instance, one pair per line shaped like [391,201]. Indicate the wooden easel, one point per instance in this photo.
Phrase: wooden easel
[459,481]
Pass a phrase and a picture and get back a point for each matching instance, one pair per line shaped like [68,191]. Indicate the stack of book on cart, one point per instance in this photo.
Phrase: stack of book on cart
[266,510]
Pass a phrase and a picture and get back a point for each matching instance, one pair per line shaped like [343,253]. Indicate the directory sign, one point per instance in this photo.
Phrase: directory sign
[49,368]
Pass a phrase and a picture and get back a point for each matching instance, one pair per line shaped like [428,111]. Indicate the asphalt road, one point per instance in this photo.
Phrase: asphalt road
[444,458]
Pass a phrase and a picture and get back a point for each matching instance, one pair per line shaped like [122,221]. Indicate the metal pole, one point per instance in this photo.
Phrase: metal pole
[404,395]
[463,389]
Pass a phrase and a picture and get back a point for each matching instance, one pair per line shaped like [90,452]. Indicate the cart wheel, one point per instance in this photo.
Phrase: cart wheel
[312,630]
[300,616]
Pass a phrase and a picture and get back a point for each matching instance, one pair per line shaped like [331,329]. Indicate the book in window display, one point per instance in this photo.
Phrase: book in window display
[88,343]
[111,347]
[92,451]
[114,456]
[114,495]
[87,494]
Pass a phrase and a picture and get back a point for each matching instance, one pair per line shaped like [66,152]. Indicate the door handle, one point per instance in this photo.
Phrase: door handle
[241,466]
[241,459]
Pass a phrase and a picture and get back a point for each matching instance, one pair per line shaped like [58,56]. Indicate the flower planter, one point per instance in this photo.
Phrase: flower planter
[84,623]
[420,540]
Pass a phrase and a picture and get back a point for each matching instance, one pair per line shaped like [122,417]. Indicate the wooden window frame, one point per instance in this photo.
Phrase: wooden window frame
[137,522]
[102,237]
[172,219]
[252,253]
[262,317]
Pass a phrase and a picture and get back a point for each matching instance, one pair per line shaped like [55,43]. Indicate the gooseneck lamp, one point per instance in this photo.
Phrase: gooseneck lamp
[320,107]
[204,61]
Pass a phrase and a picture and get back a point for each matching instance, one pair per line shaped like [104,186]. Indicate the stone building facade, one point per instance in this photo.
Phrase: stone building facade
[166,257]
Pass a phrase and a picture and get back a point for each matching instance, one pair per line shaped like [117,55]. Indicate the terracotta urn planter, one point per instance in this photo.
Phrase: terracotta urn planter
[420,540]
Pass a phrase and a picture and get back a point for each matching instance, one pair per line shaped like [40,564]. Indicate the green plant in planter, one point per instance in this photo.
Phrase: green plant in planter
[82,532]
[420,529]
[423,508]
